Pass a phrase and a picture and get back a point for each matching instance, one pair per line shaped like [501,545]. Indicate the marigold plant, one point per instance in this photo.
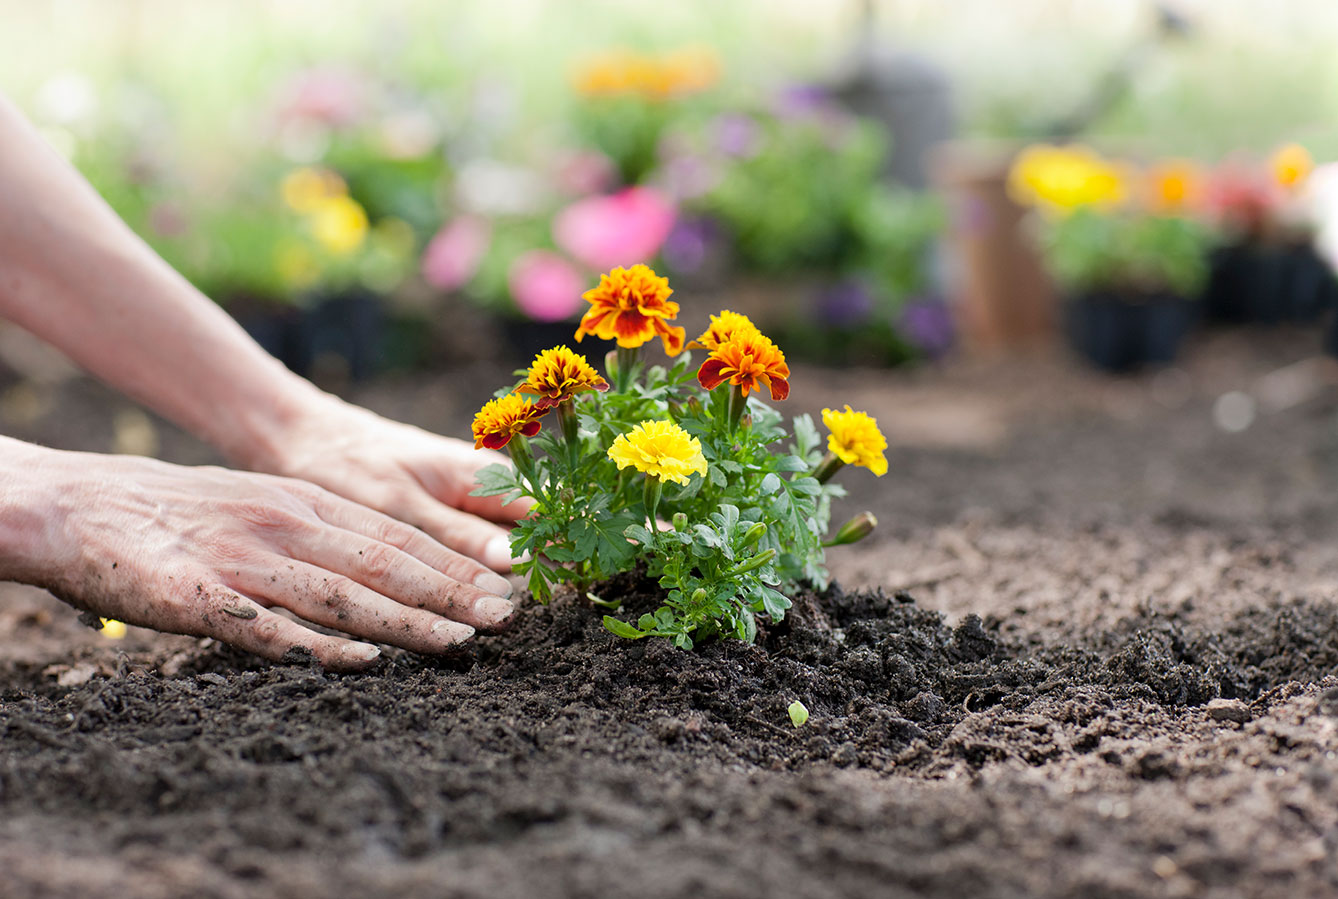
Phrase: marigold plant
[684,469]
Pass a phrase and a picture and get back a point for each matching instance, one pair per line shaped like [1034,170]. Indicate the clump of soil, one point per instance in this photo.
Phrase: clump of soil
[624,766]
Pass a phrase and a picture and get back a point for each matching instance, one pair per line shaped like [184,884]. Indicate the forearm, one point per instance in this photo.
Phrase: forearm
[74,275]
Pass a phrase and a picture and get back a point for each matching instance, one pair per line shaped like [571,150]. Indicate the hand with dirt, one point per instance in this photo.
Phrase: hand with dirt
[211,552]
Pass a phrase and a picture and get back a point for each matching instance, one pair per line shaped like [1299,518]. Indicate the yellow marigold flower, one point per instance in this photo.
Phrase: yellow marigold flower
[748,360]
[303,189]
[340,224]
[723,327]
[1060,179]
[855,439]
[1291,165]
[631,306]
[1173,186]
[501,419]
[559,374]
[661,449]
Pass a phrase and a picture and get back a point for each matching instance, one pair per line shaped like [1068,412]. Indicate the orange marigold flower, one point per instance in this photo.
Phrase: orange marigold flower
[631,306]
[749,361]
[723,327]
[501,419]
[559,374]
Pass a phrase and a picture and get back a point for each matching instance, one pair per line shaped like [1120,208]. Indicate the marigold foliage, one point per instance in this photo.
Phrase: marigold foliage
[856,440]
[660,449]
[632,306]
[503,418]
[559,374]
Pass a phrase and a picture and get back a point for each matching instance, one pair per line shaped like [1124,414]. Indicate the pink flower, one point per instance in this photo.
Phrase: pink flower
[333,96]
[620,229]
[454,253]
[545,286]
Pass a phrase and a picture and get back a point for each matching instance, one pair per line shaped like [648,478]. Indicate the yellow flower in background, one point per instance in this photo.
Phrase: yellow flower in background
[1290,165]
[303,190]
[559,374]
[660,449]
[296,266]
[339,223]
[855,439]
[684,71]
[1060,179]
[1173,186]
[723,327]
[113,629]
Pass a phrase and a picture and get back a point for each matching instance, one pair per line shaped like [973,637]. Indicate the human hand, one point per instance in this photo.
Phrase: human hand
[411,475]
[210,552]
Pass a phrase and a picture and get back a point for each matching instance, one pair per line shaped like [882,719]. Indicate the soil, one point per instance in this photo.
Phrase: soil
[1091,651]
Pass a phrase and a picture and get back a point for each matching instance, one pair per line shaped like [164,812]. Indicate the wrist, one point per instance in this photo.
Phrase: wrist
[259,429]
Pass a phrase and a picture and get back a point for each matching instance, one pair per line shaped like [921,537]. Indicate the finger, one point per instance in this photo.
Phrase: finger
[341,603]
[245,624]
[403,562]
[464,533]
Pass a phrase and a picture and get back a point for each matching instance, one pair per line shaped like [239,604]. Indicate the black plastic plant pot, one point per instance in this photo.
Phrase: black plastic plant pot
[342,330]
[527,337]
[1269,285]
[1120,332]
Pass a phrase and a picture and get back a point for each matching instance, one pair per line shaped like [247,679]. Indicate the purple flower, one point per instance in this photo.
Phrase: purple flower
[737,135]
[845,304]
[690,243]
[928,325]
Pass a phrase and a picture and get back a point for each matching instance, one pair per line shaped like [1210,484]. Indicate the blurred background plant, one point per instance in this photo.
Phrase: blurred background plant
[383,184]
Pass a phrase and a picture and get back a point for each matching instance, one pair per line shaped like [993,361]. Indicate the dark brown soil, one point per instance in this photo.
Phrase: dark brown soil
[1133,692]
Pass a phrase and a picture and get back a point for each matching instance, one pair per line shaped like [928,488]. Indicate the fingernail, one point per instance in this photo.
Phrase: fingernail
[493,610]
[452,631]
[493,583]
[361,652]
[497,553]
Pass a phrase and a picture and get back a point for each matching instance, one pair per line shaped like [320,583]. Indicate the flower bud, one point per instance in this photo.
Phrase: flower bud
[699,596]
[611,363]
[694,406]
[680,521]
[754,534]
[756,562]
[855,530]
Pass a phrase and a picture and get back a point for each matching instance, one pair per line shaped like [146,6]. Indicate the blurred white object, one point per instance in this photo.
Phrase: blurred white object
[1234,412]
[489,187]
[66,99]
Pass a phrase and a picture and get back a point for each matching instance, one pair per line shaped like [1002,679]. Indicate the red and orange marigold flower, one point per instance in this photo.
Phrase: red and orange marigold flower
[750,361]
[631,306]
[501,419]
[558,374]
[723,327]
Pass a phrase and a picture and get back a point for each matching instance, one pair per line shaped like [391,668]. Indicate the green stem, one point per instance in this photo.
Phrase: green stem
[567,422]
[519,448]
[829,466]
[627,358]
[737,403]
[653,490]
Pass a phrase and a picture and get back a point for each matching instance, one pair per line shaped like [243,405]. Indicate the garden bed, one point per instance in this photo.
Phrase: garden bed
[1132,693]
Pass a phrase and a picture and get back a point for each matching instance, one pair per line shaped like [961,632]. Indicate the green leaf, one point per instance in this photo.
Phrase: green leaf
[494,480]
[717,476]
[640,534]
[792,463]
[770,484]
[798,713]
[621,628]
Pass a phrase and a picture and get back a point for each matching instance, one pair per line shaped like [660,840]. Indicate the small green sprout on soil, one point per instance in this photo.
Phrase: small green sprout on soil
[682,468]
[798,713]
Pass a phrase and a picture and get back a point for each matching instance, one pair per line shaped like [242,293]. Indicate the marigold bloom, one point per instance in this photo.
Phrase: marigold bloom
[501,419]
[855,439]
[660,449]
[1291,164]
[631,306]
[749,361]
[1173,186]
[1060,179]
[723,327]
[559,374]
